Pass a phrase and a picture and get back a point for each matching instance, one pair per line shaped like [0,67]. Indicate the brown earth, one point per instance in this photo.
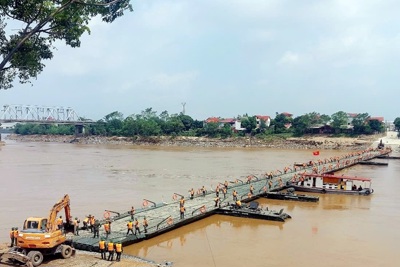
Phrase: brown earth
[306,142]
[83,258]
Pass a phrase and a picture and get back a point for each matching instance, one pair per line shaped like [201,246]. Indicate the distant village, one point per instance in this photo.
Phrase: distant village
[316,128]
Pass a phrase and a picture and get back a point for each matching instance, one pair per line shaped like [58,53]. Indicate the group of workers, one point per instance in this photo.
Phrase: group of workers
[111,248]
[135,224]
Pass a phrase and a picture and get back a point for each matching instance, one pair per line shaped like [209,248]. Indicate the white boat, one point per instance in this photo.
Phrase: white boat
[334,184]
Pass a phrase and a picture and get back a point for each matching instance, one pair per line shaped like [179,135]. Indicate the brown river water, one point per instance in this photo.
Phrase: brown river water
[337,231]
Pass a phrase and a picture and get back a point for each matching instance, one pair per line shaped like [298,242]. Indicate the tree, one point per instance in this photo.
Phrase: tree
[339,120]
[250,123]
[397,124]
[376,126]
[359,123]
[301,124]
[44,22]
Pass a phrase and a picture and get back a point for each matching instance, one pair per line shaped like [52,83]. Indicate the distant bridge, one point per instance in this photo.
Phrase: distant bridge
[43,115]
[40,114]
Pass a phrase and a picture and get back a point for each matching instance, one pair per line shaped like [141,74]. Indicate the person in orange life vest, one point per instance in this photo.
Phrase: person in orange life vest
[86,223]
[217,191]
[118,250]
[182,201]
[182,212]
[16,236]
[107,228]
[216,200]
[234,194]
[132,212]
[76,226]
[145,224]
[203,189]
[110,248]
[191,193]
[130,227]
[91,223]
[12,237]
[102,248]
[137,229]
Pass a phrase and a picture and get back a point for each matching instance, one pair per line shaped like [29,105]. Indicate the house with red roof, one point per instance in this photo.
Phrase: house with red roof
[266,119]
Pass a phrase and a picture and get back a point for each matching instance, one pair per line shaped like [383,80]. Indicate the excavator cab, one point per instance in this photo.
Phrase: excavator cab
[34,225]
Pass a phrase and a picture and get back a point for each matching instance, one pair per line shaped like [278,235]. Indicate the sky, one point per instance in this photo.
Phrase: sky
[228,58]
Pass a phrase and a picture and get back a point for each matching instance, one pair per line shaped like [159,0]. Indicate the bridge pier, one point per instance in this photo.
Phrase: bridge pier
[79,130]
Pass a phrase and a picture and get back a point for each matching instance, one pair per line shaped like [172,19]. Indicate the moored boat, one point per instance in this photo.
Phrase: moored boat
[291,195]
[333,184]
[254,211]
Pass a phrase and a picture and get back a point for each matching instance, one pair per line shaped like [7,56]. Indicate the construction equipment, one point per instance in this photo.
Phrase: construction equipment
[44,236]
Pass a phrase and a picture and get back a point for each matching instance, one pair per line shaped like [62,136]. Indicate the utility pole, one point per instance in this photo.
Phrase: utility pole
[183,107]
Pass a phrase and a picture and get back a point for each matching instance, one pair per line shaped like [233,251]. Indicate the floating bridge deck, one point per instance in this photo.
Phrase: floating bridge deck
[159,215]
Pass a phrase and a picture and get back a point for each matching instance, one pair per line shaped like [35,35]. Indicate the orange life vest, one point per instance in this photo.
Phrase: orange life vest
[110,246]
[15,233]
[102,244]
[130,225]
[118,247]
[11,233]
[107,227]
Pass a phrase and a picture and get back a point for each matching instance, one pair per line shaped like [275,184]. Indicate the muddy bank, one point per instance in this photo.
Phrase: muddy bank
[84,258]
[309,142]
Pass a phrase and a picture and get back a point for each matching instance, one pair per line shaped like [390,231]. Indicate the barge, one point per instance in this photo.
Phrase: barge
[253,211]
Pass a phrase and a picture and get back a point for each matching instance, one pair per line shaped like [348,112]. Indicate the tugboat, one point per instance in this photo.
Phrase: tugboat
[254,211]
[333,184]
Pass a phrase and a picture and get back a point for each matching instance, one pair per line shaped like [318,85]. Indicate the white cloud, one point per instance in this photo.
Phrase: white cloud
[289,58]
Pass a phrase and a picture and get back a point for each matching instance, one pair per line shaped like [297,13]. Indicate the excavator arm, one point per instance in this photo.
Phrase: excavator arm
[62,204]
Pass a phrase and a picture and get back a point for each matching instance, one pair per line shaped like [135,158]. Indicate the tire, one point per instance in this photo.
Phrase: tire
[66,251]
[36,257]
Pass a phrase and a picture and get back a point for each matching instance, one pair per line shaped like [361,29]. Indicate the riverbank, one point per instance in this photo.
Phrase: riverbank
[306,142]
[84,258]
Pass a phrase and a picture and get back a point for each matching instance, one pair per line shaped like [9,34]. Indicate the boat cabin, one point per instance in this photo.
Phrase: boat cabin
[335,182]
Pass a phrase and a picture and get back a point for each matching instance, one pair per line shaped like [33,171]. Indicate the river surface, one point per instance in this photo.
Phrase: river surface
[337,231]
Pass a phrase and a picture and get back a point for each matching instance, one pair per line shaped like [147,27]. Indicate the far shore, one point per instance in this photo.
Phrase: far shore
[306,142]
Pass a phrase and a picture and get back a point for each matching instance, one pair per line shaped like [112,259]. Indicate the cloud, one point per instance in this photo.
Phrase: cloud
[289,58]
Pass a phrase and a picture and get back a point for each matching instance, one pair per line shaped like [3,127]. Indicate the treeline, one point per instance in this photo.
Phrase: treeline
[148,123]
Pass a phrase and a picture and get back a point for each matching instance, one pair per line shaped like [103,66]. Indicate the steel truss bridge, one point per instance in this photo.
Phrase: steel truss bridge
[40,114]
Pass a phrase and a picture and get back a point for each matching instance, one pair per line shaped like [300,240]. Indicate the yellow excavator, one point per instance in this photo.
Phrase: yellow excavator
[44,236]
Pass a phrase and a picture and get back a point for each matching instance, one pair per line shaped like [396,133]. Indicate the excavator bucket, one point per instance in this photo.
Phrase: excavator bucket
[16,256]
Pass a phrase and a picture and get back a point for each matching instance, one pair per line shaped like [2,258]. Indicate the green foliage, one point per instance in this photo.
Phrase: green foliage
[397,124]
[249,123]
[43,22]
[360,123]
[30,128]
[339,121]
[147,123]
[376,126]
